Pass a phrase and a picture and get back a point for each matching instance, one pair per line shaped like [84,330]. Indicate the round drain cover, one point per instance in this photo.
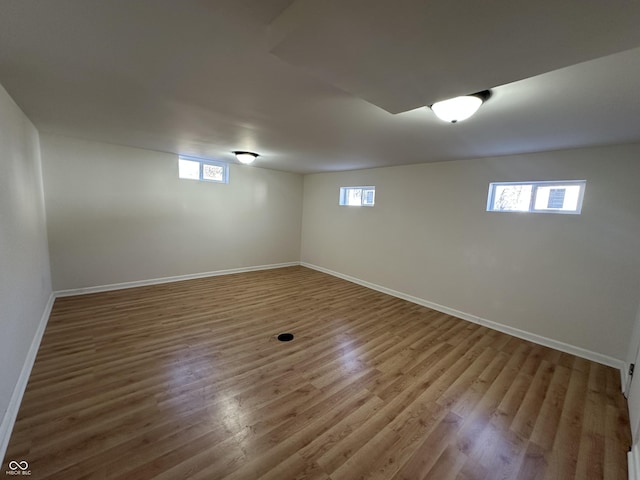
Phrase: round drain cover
[285,337]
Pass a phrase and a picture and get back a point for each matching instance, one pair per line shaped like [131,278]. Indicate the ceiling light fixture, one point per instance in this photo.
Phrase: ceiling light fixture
[460,108]
[246,157]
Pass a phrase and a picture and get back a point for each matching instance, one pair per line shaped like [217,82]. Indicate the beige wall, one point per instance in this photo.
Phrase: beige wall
[25,282]
[119,214]
[569,278]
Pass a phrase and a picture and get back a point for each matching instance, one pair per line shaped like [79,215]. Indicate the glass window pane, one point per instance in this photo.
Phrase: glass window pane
[357,196]
[368,196]
[207,170]
[212,172]
[188,169]
[557,197]
[539,196]
[512,198]
[354,196]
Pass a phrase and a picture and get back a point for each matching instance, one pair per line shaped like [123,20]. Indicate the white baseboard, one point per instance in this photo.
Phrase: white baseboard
[157,281]
[633,461]
[516,332]
[9,419]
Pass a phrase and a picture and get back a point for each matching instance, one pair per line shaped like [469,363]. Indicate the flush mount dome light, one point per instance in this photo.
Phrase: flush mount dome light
[460,108]
[246,157]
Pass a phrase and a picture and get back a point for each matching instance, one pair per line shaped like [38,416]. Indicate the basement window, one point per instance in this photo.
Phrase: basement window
[357,196]
[204,170]
[563,196]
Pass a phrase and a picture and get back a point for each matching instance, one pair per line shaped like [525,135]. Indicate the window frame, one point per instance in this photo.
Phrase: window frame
[202,162]
[535,185]
[344,192]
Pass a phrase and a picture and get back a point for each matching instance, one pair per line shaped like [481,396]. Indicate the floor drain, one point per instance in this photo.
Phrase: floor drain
[285,337]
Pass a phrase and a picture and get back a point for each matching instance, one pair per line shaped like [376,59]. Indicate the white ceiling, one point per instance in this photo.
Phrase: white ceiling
[298,82]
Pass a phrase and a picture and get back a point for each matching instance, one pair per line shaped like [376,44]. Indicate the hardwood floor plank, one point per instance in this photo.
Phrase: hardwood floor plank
[187,380]
[429,452]
[546,426]
[615,460]
[448,465]
[564,454]
[529,410]
[336,435]
[591,451]
[534,464]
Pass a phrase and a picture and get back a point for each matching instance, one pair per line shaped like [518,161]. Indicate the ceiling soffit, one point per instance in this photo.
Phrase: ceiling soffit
[406,54]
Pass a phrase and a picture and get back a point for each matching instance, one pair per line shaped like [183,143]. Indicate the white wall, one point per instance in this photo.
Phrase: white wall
[25,282]
[119,214]
[569,278]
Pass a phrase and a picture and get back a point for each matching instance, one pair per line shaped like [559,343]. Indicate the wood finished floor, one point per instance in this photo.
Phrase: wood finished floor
[186,380]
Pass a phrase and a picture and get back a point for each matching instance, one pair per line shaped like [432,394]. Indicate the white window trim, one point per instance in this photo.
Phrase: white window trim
[205,161]
[534,187]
